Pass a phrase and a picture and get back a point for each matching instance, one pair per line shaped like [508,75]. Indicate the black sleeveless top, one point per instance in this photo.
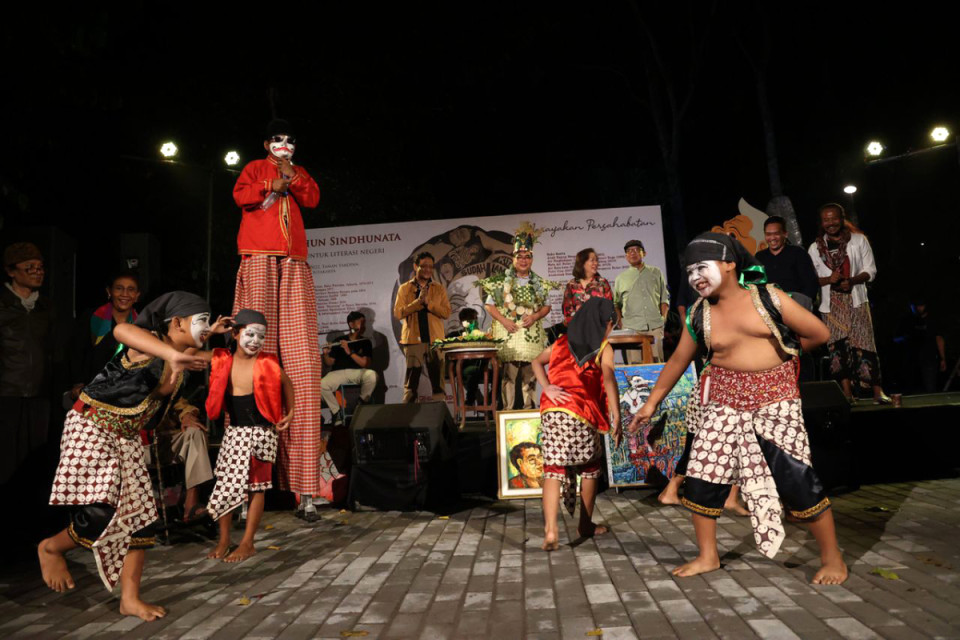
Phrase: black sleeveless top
[243,411]
[767,304]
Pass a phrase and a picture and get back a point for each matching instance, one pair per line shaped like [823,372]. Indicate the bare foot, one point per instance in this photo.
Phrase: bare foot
[219,552]
[241,553]
[832,572]
[550,542]
[700,565]
[139,608]
[735,507]
[591,530]
[669,496]
[53,566]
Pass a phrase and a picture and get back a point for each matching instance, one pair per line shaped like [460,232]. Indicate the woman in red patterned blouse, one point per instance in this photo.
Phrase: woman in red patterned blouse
[586,284]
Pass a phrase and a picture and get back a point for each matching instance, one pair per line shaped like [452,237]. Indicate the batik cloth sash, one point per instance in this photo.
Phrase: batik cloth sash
[233,466]
[97,466]
[738,409]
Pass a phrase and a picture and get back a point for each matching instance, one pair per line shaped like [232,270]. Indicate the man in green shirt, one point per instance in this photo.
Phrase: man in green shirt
[642,300]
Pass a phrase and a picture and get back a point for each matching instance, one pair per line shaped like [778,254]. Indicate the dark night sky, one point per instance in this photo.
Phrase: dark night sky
[421,111]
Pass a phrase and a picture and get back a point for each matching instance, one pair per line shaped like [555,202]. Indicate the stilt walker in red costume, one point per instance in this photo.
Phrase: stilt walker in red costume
[250,385]
[275,279]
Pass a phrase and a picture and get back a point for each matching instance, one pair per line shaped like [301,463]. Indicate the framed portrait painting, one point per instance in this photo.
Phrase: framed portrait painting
[519,454]
[650,456]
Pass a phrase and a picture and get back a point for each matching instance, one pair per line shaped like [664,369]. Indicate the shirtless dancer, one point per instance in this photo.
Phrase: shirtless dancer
[749,405]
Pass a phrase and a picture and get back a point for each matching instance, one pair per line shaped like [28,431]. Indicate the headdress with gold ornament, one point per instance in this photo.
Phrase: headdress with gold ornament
[525,237]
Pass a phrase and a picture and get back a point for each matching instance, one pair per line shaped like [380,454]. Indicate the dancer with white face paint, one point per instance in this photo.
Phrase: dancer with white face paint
[747,415]
[250,385]
[102,472]
[274,278]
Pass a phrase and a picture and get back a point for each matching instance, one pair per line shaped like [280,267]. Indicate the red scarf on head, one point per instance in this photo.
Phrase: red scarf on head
[267,387]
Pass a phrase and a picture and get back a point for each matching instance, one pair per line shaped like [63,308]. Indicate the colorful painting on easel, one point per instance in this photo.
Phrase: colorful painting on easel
[649,456]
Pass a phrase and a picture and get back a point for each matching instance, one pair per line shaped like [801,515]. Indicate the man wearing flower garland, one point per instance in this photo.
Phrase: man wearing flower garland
[517,301]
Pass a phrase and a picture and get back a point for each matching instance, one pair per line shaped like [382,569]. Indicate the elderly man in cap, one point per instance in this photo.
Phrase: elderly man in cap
[25,357]
[642,299]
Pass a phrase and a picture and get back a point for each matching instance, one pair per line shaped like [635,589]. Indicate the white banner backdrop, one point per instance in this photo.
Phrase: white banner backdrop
[360,267]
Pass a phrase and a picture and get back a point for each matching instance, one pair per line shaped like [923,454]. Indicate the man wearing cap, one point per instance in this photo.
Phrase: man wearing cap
[642,299]
[25,357]
[275,279]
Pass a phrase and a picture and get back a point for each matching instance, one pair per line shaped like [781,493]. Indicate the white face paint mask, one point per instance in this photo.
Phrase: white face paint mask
[199,328]
[283,148]
[704,277]
[251,339]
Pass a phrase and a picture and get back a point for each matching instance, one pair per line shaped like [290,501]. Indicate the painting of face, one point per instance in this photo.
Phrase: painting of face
[704,277]
[199,328]
[251,338]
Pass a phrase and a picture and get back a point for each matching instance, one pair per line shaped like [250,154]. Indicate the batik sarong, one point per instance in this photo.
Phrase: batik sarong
[852,348]
[101,467]
[751,433]
[571,447]
[240,445]
[282,289]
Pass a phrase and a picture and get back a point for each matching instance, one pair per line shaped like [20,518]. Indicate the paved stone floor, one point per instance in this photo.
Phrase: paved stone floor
[480,573]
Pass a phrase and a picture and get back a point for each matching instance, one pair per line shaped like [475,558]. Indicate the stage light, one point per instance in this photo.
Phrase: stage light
[850,189]
[232,158]
[874,148]
[940,134]
[168,150]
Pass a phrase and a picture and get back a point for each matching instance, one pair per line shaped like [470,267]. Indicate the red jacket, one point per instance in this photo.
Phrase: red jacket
[267,387]
[277,231]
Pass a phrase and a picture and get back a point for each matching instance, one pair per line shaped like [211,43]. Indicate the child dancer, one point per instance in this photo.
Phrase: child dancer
[254,389]
[102,473]
[579,382]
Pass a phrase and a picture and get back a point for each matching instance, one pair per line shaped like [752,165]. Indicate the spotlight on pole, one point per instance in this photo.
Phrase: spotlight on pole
[232,158]
[940,134]
[874,148]
[850,189]
[168,150]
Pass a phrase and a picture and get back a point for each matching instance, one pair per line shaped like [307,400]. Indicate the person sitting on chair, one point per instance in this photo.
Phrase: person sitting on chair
[348,363]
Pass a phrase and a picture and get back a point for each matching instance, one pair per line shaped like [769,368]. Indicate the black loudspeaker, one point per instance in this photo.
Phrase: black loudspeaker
[826,413]
[404,457]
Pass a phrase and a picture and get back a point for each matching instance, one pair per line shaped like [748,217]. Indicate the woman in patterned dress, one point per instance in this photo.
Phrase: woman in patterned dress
[586,284]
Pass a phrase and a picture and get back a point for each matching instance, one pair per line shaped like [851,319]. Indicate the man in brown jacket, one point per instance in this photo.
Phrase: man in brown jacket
[421,306]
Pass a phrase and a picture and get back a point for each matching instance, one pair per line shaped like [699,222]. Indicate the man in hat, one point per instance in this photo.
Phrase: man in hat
[517,301]
[275,279]
[250,386]
[642,299]
[25,357]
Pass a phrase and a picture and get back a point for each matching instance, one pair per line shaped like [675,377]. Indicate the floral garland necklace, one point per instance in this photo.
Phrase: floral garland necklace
[524,299]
